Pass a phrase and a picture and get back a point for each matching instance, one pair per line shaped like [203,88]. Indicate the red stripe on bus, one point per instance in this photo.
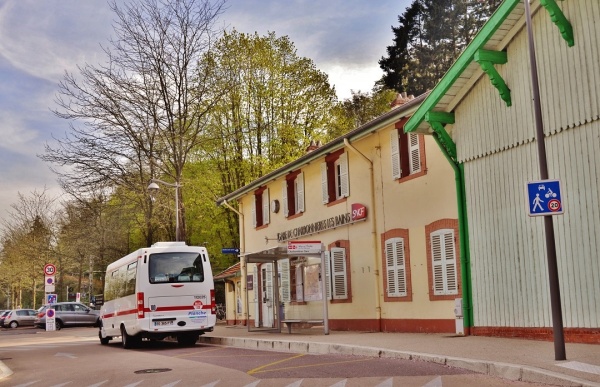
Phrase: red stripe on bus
[160,309]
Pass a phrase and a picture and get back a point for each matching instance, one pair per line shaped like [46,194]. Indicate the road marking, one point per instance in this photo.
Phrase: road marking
[341,383]
[296,383]
[61,385]
[258,369]
[386,383]
[133,384]
[64,354]
[98,384]
[437,382]
[29,384]
[253,384]
[172,384]
[577,366]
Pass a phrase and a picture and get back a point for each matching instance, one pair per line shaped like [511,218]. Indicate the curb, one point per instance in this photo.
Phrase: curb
[507,371]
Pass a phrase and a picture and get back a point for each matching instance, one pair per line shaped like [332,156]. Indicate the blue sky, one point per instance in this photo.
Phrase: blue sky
[41,39]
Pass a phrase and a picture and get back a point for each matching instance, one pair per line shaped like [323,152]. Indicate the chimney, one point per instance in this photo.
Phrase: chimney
[401,99]
[313,146]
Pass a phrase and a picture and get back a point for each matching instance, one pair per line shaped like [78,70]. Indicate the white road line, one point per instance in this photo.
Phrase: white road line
[296,383]
[578,366]
[387,383]
[341,383]
[437,382]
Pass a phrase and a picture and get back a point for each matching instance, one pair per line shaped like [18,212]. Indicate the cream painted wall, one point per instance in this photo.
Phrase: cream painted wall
[410,205]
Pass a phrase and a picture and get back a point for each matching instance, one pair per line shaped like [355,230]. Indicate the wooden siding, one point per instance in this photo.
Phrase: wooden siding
[508,254]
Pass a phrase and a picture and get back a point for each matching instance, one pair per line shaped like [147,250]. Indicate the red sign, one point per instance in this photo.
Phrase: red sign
[358,212]
[49,269]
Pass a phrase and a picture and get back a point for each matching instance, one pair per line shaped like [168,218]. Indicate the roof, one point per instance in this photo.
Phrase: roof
[231,271]
[338,143]
[495,35]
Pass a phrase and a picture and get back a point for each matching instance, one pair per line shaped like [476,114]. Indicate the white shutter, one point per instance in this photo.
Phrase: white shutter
[396,267]
[327,274]
[255,283]
[265,206]
[443,256]
[324,185]
[395,147]
[344,180]
[256,303]
[300,283]
[415,153]
[300,192]
[269,282]
[338,269]
[254,212]
[284,198]
[284,270]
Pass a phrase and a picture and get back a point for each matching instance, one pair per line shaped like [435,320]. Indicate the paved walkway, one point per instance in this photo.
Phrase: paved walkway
[514,359]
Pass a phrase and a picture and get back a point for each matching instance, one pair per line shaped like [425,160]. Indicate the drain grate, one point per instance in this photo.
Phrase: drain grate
[153,371]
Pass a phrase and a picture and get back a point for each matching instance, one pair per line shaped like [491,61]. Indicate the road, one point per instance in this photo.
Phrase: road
[74,357]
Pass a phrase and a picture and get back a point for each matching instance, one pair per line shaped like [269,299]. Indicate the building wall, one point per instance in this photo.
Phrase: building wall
[409,205]
[508,255]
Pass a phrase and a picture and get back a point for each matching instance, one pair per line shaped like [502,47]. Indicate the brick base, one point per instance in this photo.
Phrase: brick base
[572,335]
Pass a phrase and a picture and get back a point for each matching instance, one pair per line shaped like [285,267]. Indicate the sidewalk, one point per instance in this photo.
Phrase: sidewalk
[513,359]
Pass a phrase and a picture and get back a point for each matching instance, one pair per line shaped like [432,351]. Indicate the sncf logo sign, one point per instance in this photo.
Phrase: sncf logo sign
[359,211]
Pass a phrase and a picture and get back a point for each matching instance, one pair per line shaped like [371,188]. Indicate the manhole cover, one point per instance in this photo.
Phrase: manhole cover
[152,371]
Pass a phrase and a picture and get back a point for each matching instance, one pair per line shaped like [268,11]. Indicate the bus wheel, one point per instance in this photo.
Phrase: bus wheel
[128,341]
[187,340]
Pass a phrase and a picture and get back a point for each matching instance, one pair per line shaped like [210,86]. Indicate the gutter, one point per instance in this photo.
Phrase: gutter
[373,231]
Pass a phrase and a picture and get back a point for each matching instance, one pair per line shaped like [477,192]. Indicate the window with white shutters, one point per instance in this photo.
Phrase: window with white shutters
[284,271]
[260,209]
[406,153]
[395,267]
[335,181]
[338,273]
[443,257]
[293,194]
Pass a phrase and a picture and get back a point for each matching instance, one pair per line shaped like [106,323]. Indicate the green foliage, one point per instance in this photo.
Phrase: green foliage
[430,37]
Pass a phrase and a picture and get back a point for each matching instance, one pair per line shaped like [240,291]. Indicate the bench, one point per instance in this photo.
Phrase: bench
[290,322]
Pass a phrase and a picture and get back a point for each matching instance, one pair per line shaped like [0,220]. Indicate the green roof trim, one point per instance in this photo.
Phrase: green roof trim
[558,17]
[461,64]
[487,59]
[437,120]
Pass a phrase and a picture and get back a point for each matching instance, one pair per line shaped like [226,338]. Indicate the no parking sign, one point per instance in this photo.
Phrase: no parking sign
[50,319]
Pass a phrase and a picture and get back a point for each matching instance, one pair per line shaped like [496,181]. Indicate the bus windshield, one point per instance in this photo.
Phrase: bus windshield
[176,267]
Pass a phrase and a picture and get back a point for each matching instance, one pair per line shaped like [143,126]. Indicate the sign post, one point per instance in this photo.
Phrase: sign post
[50,319]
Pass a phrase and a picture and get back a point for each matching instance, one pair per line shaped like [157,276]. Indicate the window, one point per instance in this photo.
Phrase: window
[395,267]
[293,194]
[338,272]
[334,177]
[175,267]
[396,263]
[408,153]
[442,262]
[260,210]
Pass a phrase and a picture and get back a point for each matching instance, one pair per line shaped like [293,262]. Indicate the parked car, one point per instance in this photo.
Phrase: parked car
[19,317]
[3,314]
[69,314]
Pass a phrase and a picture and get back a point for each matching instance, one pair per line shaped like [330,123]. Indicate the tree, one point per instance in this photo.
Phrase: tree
[142,114]
[275,103]
[359,109]
[431,36]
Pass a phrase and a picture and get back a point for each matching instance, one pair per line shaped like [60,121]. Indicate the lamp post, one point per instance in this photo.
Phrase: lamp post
[153,188]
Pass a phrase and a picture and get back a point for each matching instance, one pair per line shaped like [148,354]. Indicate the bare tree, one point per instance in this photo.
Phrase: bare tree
[141,114]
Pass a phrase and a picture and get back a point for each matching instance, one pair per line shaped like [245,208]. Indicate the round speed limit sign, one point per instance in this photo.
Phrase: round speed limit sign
[49,269]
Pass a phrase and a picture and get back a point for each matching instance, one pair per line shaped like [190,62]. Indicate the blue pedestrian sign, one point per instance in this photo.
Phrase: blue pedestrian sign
[230,250]
[544,198]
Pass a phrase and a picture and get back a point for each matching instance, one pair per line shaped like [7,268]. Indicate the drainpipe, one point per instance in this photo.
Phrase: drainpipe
[373,231]
[242,261]
[465,259]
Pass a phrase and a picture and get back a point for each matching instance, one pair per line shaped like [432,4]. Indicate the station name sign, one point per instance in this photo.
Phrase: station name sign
[359,212]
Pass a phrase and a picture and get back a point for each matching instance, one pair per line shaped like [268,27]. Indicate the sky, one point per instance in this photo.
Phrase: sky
[40,40]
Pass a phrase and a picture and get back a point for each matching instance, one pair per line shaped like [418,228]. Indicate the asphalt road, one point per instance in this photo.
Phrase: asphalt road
[74,357]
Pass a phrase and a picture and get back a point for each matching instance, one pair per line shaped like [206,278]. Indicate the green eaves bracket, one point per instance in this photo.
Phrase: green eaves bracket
[487,59]
[437,120]
[558,17]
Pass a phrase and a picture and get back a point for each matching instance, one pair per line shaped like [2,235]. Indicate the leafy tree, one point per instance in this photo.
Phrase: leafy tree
[359,109]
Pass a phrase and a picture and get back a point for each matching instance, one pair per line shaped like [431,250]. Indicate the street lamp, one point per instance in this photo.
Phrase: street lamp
[153,188]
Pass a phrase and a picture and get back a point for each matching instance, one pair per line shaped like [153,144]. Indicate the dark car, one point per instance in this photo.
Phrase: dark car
[69,314]
[18,317]
[3,315]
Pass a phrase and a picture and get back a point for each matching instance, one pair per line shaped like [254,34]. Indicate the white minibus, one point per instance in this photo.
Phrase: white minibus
[166,290]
